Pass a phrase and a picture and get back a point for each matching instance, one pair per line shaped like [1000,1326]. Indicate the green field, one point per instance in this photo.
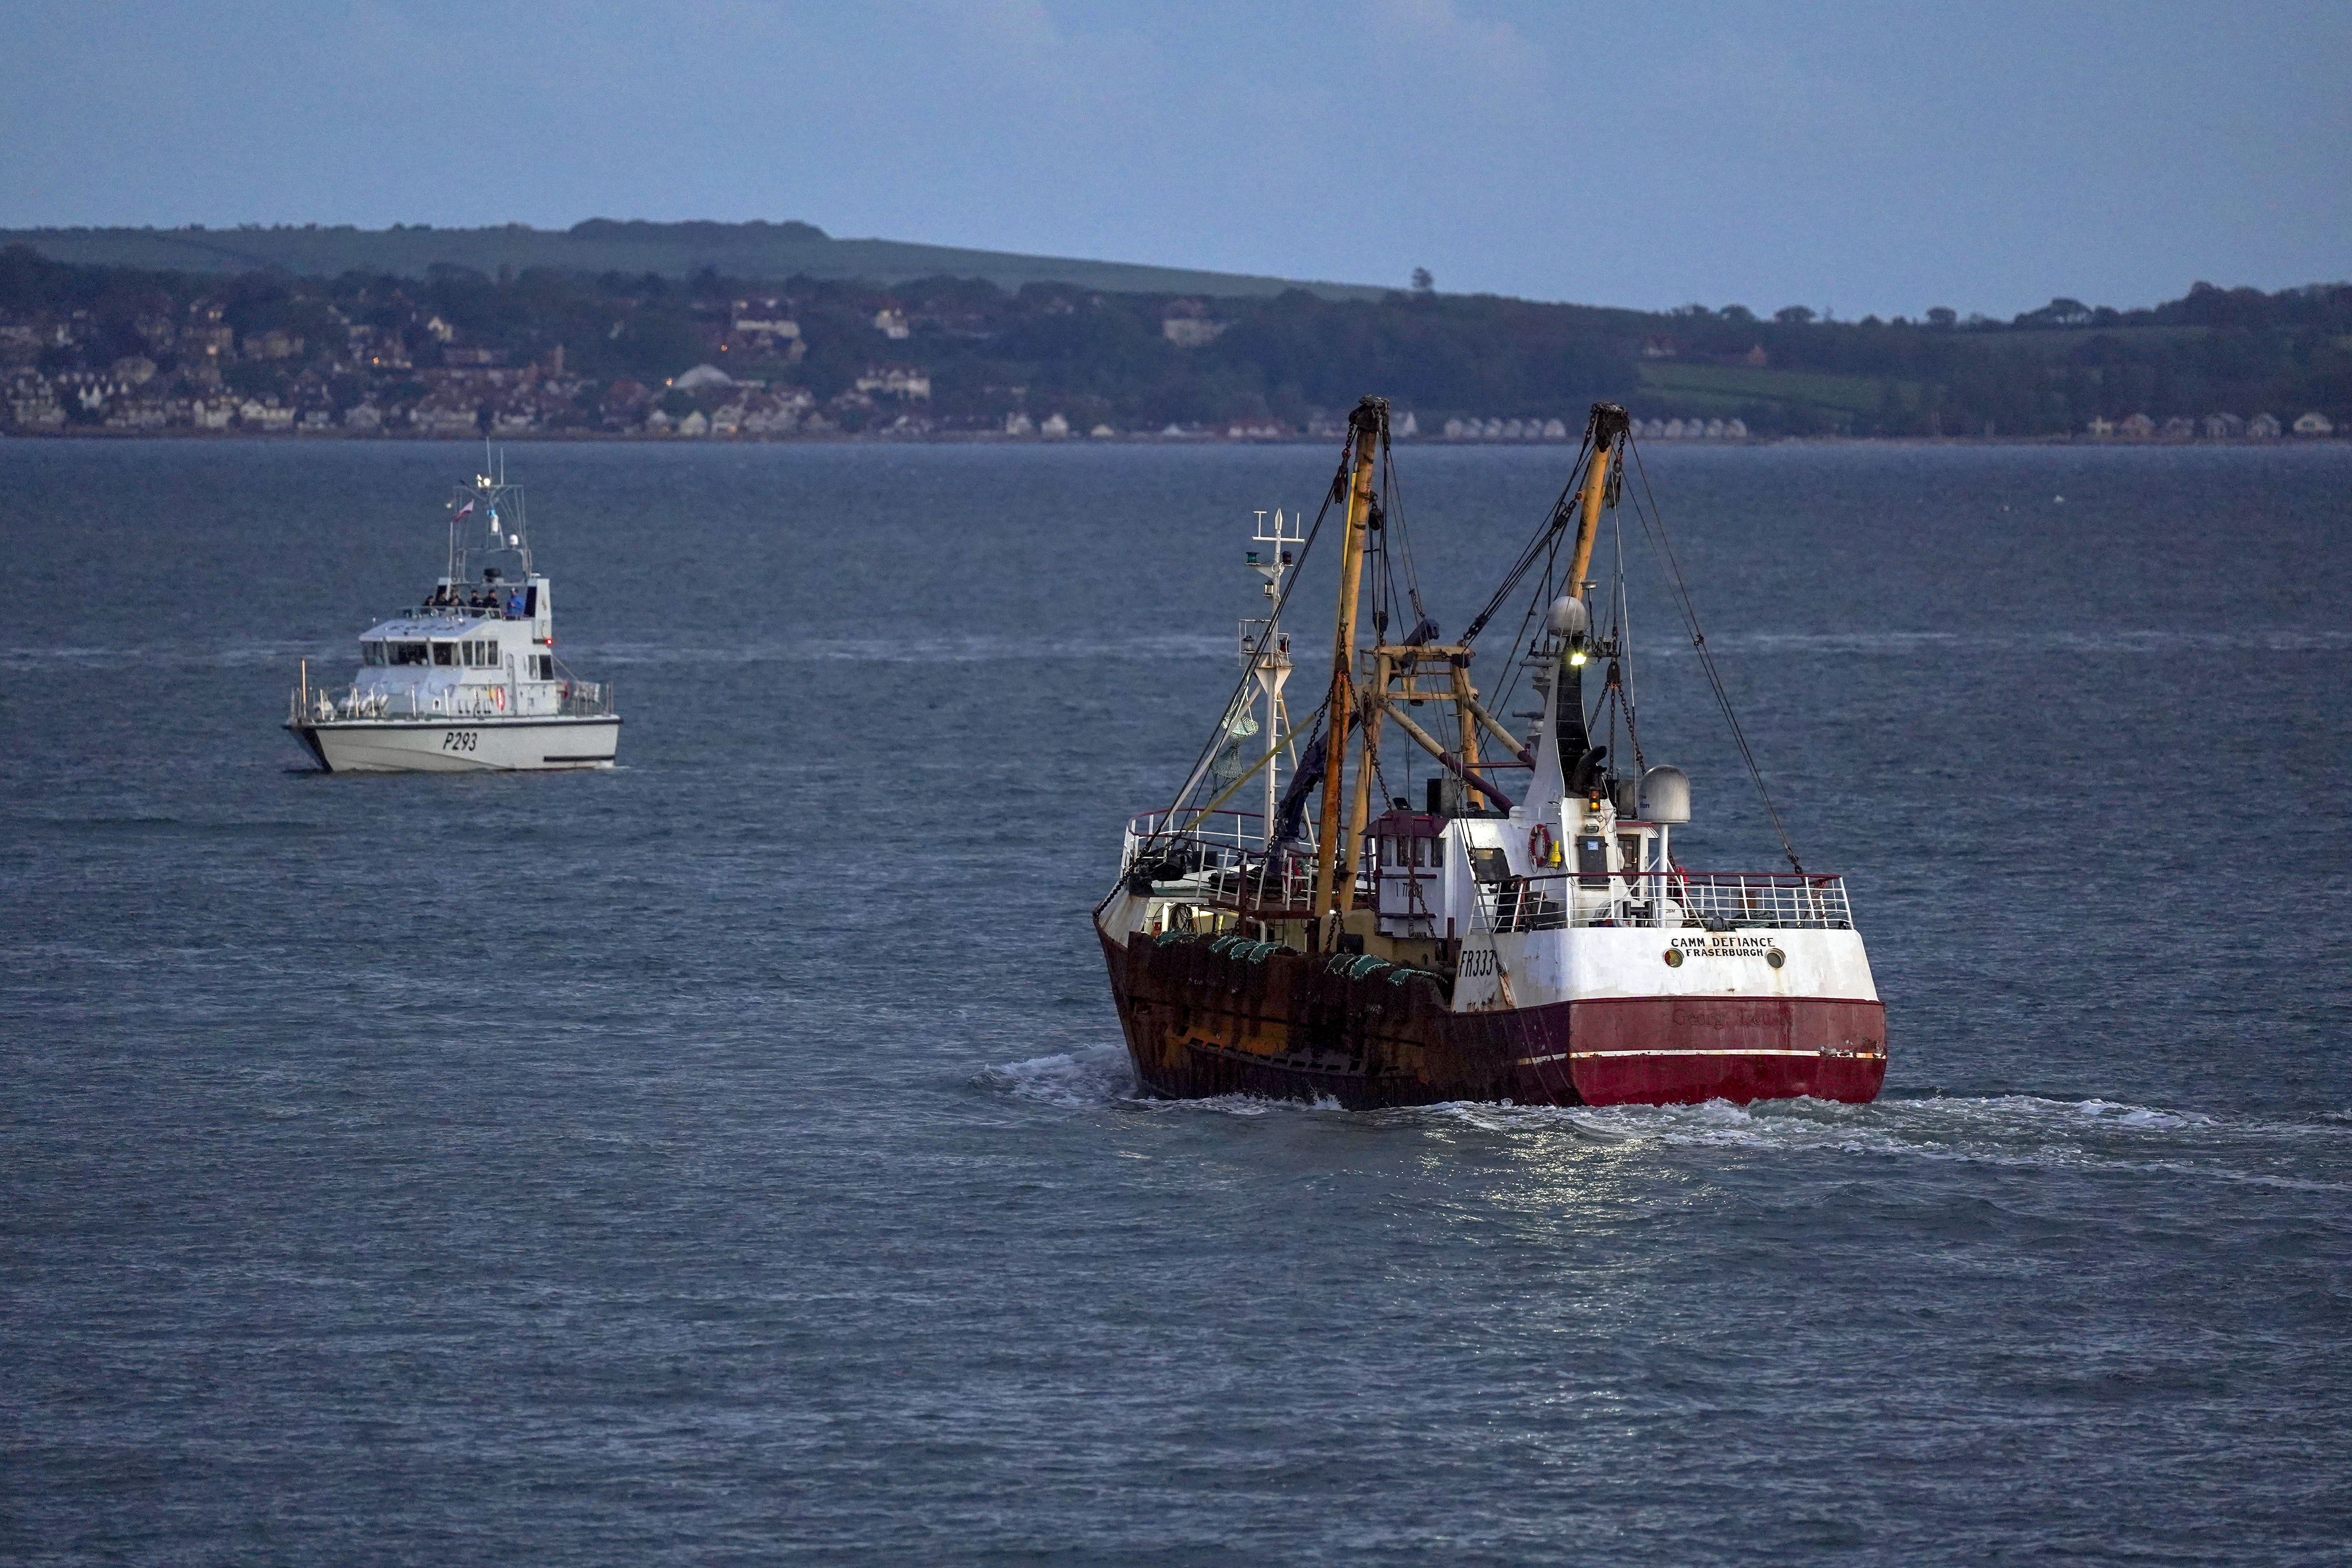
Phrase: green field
[1729,389]
[770,251]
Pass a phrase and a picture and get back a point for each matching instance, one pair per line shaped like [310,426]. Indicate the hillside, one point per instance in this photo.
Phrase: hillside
[555,351]
[671,250]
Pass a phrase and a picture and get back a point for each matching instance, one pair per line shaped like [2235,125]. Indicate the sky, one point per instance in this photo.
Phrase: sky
[1855,158]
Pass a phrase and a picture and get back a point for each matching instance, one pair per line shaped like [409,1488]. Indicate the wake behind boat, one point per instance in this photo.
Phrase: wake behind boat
[1522,931]
[467,681]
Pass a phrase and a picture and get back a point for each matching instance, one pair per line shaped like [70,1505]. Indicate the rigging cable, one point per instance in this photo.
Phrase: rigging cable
[1654,525]
[1290,580]
[1561,512]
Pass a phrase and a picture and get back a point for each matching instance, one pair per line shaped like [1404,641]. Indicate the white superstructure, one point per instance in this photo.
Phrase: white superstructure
[467,681]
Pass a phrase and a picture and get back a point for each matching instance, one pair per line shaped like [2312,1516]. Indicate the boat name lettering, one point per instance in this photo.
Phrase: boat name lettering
[1724,946]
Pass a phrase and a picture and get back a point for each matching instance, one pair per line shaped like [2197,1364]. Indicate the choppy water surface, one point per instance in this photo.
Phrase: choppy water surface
[731,1158]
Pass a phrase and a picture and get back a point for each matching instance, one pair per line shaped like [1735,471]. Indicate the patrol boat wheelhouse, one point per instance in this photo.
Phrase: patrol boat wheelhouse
[468,680]
[1523,932]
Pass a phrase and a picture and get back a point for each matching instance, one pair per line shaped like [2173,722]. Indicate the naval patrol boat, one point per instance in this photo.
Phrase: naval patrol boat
[468,680]
[1520,933]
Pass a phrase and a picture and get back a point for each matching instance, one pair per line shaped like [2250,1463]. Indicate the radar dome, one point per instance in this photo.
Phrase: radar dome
[1665,795]
[1566,617]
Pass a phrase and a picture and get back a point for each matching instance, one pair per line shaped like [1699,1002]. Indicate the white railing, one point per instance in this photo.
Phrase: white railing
[1218,858]
[570,700]
[1712,901]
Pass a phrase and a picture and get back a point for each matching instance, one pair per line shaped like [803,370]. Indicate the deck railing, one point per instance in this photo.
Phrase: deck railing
[573,700]
[1712,901]
[1218,859]
[584,699]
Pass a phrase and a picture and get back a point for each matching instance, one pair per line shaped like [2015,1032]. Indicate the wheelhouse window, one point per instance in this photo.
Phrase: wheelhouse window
[543,666]
[372,653]
[445,653]
[406,652]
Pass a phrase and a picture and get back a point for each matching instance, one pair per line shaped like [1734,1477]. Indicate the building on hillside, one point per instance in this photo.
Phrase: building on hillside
[1187,325]
[1659,348]
[445,411]
[2315,424]
[771,327]
[2135,428]
[1101,433]
[2178,428]
[892,325]
[2099,428]
[693,423]
[363,416]
[1019,424]
[1408,425]
[2224,426]
[904,381]
[275,343]
[1055,427]
[2262,427]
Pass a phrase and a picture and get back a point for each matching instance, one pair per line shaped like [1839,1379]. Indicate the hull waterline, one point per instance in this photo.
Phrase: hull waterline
[1198,1025]
[461,745]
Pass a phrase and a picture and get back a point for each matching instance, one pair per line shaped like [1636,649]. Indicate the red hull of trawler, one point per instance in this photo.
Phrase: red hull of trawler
[1199,1025]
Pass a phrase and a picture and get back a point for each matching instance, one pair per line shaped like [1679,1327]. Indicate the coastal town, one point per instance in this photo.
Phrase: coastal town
[102,352]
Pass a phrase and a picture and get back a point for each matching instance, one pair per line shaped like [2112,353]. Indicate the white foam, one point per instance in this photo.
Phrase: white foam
[1074,1081]
[2021,1131]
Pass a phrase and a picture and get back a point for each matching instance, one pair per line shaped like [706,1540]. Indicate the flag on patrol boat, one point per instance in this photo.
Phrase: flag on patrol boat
[467,508]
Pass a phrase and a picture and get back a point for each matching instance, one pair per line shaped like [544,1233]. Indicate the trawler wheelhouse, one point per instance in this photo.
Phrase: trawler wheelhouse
[1518,928]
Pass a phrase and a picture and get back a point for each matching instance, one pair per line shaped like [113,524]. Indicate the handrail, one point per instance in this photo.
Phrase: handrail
[1666,896]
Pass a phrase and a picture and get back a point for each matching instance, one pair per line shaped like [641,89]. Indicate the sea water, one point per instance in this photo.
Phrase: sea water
[731,1158]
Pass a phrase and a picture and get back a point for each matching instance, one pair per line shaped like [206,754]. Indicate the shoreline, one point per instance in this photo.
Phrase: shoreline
[1133,438]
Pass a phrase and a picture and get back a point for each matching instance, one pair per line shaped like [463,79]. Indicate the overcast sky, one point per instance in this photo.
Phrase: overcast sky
[1857,158]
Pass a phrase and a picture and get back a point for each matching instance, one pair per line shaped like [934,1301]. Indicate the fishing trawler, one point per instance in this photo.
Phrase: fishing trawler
[467,681]
[1519,932]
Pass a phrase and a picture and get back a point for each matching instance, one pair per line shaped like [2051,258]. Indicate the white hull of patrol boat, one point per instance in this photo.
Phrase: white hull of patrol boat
[466,745]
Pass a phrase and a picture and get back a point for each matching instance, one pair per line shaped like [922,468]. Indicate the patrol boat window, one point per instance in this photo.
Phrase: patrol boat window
[406,652]
[371,653]
[445,653]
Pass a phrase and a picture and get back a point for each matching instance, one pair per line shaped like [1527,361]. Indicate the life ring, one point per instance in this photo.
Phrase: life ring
[1540,843]
[498,698]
